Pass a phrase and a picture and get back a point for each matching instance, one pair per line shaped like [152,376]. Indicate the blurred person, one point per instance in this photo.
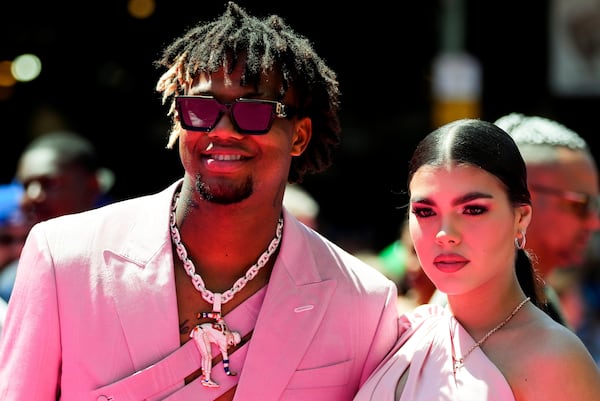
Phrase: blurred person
[13,230]
[57,173]
[61,174]
[105,301]
[419,289]
[3,311]
[588,290]
[400,263]
[563,181]
[393,262]
[566,286]
[300,203]
[470,209]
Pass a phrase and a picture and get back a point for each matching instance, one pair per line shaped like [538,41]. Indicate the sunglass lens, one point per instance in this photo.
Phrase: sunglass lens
[198,113]
[583,210]
[253,117]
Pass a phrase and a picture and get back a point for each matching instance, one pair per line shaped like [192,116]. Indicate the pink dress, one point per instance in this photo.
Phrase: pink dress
[427,337]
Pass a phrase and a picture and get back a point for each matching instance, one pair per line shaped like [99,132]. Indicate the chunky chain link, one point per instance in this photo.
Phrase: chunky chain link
[190,269]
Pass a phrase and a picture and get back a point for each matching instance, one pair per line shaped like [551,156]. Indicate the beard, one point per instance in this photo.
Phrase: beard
[224,194]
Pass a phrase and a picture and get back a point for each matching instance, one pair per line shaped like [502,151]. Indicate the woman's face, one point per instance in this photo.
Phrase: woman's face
[463,227]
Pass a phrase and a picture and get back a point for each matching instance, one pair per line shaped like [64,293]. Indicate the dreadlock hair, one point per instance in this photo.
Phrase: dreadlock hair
[263,46]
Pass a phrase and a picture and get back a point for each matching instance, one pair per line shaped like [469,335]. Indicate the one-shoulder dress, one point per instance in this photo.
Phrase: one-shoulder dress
[427,337]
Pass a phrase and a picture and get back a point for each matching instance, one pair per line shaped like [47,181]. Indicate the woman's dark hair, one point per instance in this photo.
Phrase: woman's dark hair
[263,46]
[480,143]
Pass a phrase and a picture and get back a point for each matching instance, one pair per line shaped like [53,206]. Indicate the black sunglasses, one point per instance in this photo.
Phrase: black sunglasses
[580,204]
[249,116]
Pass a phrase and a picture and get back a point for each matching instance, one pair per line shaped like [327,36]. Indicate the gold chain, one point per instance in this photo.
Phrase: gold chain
[459,362]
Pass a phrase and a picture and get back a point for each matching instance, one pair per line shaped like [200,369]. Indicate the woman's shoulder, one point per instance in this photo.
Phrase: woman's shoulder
[552,360]
[555,343]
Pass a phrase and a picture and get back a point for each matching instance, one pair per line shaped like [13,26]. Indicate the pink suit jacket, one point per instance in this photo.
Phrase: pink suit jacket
[94,302]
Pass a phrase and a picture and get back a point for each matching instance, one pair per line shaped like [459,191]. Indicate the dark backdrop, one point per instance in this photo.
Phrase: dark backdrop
[98,79]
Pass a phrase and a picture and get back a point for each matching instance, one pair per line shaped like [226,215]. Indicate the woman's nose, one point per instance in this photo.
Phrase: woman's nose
[446,236]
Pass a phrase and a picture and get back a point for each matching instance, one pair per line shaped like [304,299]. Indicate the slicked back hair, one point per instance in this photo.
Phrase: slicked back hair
[485,145]
[263,46]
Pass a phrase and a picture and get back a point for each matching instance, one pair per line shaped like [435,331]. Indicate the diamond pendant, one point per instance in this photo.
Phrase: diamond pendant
[458,363]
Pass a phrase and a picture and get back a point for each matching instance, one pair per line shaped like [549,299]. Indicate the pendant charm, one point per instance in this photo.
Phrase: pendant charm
[458,363]
[216,333]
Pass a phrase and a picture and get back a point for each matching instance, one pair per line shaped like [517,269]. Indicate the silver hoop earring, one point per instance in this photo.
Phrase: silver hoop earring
[520,244]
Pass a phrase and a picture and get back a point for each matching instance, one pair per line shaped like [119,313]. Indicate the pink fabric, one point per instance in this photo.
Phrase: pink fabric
[94,302]
[428,335]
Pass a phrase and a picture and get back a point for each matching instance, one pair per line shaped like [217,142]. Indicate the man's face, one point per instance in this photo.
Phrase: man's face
[564,213]
[53,189]
[228,165]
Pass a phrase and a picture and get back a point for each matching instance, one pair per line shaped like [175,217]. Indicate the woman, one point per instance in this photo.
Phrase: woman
[469,213]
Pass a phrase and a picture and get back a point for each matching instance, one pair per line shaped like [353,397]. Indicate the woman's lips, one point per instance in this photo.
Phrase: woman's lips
[450,263]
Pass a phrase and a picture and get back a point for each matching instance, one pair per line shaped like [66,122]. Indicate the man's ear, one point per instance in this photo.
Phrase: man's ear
[302,135]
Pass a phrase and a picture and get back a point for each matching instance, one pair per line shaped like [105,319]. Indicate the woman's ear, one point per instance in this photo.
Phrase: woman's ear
[302,135]
[524,217]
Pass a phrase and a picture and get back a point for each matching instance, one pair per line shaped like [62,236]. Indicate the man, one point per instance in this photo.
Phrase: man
[58,173]
[105,300]
[563,180]
[13,230]
[61,174]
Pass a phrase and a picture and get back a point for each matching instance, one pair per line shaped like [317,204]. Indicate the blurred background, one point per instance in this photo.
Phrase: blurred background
[403,68]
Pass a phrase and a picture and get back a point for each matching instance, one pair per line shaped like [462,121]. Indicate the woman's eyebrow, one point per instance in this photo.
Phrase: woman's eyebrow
[468,197]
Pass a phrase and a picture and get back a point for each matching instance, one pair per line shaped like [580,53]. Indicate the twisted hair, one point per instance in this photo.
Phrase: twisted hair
[540,139]
[263,46]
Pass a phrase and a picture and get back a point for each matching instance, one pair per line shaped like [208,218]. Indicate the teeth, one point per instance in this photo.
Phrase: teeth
[226,157]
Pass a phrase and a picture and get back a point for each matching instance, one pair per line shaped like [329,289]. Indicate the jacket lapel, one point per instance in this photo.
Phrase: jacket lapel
[297,299]
[143,263]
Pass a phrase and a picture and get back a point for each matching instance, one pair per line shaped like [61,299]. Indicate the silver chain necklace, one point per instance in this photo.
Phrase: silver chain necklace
[460,362]
[217,299]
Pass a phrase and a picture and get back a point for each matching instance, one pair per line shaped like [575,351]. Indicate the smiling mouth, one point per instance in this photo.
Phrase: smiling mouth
[225,158]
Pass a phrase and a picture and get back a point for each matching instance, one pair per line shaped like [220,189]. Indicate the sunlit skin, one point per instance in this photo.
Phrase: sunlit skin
[228,187]
[557,236]
[463,228]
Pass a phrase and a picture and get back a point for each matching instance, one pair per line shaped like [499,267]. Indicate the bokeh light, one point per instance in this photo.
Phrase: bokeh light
[6,77]
[26,67]
[141,9]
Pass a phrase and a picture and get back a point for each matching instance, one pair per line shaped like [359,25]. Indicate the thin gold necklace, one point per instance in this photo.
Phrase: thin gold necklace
[460,362]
